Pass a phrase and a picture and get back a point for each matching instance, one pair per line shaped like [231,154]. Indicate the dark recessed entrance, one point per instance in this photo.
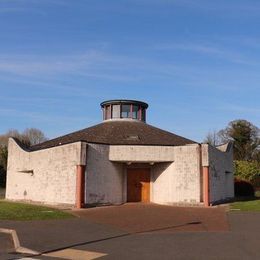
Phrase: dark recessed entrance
[138,185]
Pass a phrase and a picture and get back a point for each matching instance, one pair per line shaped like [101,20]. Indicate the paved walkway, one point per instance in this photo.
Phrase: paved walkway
[139,218]
[143,231]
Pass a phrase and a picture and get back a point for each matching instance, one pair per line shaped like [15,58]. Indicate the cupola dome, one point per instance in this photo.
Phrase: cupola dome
[124,109]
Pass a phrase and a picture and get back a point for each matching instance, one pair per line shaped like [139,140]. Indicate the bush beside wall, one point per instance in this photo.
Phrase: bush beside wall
[248,171]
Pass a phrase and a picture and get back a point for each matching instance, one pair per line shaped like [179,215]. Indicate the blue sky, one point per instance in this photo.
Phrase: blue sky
[197,63]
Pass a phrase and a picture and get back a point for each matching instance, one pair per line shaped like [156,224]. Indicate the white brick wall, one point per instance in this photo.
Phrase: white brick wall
[178,181]
[220,173]
[54,173]
[104,179]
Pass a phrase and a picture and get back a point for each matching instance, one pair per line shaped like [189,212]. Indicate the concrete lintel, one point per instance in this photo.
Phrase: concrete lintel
[137,161]
[141,153]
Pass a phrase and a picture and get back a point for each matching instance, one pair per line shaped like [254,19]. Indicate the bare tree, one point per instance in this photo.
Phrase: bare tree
[212,138]
[30,136]
[34,136]
[10,133]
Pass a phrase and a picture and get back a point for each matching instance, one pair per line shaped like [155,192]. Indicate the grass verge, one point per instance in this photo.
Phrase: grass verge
[251,205]
[22,211]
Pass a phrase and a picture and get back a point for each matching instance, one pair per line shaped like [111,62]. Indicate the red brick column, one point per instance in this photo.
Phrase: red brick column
[205,170]
[80,186]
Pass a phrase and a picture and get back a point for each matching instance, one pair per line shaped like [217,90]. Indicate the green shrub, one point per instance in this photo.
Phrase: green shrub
[248,171]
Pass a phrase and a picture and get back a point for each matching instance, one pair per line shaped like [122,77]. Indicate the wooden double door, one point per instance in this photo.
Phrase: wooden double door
[138,185]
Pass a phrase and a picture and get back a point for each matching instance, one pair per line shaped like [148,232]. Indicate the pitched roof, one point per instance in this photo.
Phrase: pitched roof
[119,132]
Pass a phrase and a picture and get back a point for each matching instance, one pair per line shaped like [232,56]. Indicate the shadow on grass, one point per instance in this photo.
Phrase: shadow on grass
[237,199]
[245,198]
[2,193]
[243,203]
[248,198]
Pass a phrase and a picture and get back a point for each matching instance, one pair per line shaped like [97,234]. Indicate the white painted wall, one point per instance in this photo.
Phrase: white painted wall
[105,180]
[221,178]
[178,182]
[54,173]
[221,174]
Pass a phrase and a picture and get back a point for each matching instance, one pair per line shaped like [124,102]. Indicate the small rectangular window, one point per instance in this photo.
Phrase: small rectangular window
[125,113]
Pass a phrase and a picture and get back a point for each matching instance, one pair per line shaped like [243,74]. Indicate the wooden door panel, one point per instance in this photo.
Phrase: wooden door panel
[133,188]
[138,185]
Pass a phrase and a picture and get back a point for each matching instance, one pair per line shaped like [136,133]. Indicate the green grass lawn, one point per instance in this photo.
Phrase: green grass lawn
[250,205]
[21,211]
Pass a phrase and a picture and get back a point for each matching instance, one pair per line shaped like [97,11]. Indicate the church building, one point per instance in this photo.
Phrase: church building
[123,159]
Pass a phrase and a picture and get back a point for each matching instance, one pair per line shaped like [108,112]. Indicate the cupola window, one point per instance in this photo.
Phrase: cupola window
[135,112]
[107,112]
[124,109]
[116,111]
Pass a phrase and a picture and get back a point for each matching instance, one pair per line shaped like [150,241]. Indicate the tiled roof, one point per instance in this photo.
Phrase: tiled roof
[119,132]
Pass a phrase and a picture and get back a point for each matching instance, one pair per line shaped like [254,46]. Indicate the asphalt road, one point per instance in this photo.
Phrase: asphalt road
[240,242]
[103,235]
[6,244]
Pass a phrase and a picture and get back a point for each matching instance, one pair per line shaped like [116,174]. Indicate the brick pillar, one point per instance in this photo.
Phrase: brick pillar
[206,185]
[80,186]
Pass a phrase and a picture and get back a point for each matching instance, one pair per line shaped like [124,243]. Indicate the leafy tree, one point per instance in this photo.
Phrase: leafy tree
[246,138]
[246,142]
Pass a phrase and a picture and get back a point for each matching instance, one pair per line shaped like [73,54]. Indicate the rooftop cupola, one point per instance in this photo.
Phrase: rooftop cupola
[124,109]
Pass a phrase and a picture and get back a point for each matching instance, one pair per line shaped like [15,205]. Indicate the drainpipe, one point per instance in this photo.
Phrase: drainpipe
[80,186]
[205,179]
[205,172]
